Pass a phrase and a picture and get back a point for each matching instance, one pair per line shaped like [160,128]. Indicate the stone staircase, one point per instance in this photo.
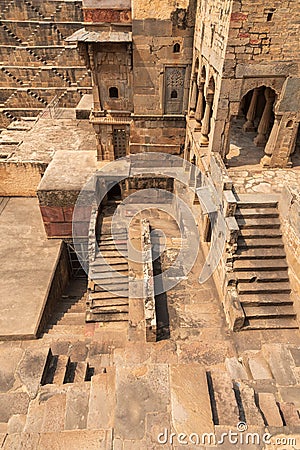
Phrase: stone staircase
[68,318]
[108,290]
[260,267]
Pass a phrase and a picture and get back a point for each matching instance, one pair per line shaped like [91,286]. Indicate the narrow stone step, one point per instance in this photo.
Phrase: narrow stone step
[112,241]
[269,311]
[102,303]
[271,324]
[67,330]
[61,369]
[118,317]
[251,213]
[111,254]
[80,371]
[260,243]
[264,288]
[117,236]
[115,260]
[265,299]
[65,307]
[256,253]
[257,201]
[112,247]
[262,276]
[110,309]
[112,287]
[104,276]
[111,283]
[106,295]
[269,223]
[260,265]
[117,233]
[73,318]
[121,268]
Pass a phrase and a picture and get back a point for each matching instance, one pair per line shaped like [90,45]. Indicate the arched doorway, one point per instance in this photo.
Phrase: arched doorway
[114,192]
[250,129]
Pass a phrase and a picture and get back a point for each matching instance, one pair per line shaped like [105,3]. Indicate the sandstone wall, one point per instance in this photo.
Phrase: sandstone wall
[20,179]
[160,69]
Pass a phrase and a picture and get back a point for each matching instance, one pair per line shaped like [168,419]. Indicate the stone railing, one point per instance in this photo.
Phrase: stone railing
[148,280]
[92,240]
[225,282]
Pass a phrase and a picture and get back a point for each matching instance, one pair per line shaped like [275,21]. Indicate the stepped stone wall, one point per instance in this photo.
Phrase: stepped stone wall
[36,64]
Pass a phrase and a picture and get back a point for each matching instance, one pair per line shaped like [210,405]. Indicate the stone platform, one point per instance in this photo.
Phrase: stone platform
[28,263]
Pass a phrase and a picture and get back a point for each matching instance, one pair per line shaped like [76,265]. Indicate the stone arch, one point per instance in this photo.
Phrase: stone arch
[252,83]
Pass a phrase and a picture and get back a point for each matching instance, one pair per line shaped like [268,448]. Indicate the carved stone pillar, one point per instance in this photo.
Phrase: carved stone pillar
[205,124]
[249,125]
[200,103]
[270,145]
[193,101]
[264,124]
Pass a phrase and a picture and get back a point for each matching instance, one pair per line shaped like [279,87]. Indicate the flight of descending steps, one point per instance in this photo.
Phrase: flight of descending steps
[108,284]
[261,269]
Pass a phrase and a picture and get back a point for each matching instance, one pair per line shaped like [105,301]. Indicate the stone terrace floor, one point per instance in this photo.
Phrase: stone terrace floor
[38,140]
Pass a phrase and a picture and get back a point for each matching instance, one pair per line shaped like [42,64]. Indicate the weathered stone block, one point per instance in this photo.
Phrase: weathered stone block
[13,403]
[190,401]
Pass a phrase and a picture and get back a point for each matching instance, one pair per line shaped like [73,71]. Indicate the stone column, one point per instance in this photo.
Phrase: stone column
[193,101]
[264,124]
[200,103]
[205,124]
[249,125]
[270,145]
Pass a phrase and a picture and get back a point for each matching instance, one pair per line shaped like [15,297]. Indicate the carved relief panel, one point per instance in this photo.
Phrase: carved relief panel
[174,89]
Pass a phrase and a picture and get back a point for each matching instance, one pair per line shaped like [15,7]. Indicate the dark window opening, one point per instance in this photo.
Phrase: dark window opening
[269,16]
[176,48]
[174,94]
[113,92]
